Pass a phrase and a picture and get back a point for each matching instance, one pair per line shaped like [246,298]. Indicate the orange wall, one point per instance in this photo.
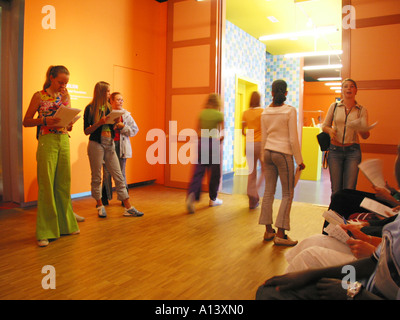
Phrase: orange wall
[317,97]
[122,42]
[374,64]
[191,76]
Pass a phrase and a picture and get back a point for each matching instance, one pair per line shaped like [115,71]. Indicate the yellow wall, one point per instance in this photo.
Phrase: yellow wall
[122,44]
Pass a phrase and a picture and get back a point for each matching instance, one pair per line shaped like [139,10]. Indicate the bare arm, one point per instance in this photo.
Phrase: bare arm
[29,121]
[89,130]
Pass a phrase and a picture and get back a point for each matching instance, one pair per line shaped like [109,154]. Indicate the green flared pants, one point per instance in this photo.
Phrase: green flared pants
[54,210]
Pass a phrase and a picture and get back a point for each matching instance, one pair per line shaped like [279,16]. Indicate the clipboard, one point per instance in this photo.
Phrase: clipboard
[113,115]
[67,115]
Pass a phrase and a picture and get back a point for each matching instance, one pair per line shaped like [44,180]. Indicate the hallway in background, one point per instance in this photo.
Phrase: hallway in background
[314,192]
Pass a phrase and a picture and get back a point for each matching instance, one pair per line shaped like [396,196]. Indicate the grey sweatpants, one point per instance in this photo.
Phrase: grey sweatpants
[105,152]
[282,165]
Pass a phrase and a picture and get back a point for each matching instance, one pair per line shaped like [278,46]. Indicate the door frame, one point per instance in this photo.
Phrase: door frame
[12,39]
[240,167]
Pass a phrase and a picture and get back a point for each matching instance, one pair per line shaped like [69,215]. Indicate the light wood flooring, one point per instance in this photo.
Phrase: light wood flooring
[215,254]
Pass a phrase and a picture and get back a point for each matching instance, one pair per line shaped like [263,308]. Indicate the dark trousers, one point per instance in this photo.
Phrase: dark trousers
[208,160]
[346,202]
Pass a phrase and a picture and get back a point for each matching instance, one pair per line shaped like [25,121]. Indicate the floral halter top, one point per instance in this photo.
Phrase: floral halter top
[48,107]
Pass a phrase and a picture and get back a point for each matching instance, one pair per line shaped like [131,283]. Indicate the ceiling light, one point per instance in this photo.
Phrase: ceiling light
[299,1]
[322,67]
[335,88]
[273,19]
[333,84]
[306,33]
[338,91]
[330,79]
[313,54]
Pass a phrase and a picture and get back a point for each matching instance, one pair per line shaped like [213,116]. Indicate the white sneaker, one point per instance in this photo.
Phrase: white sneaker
[132,212]
[43,243]
[190,203]
[216,202]
[101,211]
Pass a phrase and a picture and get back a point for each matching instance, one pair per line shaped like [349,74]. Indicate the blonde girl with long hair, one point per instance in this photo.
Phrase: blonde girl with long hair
[54,207]
[101,150]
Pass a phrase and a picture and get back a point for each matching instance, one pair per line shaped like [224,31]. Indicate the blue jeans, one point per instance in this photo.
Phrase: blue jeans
[343,166]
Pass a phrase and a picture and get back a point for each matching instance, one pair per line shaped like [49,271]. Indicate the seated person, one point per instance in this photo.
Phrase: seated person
[322,250]
[377,276]
[347,202]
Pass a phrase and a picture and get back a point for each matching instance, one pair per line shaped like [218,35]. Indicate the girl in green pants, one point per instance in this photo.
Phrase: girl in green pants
[54,208]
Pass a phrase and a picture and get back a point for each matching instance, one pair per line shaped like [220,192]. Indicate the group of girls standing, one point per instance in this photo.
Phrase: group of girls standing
[55,215]
[275,136]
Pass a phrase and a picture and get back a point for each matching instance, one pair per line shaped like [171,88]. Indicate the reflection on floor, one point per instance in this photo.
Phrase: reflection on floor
[315,192]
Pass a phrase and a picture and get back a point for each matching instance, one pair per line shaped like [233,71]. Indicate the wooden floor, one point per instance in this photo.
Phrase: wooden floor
[215,254]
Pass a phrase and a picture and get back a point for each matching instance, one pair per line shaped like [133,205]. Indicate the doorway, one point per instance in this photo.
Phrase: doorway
[244,89]
[235,178]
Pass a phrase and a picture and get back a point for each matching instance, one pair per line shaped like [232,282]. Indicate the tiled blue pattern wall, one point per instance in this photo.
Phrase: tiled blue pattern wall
[279,67]
[244,56]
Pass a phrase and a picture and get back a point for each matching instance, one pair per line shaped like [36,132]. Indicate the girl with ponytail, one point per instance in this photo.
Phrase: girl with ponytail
[280,144]
[54,207]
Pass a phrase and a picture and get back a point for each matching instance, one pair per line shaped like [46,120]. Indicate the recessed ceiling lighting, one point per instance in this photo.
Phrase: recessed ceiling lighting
[333,84]
[300,1]
[313,32]
[322,67]
[273,19]
[330,79]
[313,54]
[335,88]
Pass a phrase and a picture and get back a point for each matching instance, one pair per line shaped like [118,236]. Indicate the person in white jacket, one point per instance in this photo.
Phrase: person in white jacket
[124,129]
[280,144]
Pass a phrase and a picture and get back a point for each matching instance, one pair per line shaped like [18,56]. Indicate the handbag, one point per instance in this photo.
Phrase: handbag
[324,141]
[323,138]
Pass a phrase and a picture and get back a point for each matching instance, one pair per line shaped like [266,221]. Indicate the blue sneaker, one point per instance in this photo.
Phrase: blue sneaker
[132,212]
[101,211]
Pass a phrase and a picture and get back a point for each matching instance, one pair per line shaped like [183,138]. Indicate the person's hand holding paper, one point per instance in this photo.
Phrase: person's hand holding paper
[113,116]
[360,125]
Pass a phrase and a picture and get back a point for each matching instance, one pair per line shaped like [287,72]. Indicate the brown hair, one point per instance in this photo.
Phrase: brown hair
[351,80]
[213,101]
[255,99]
[99,100]
[53,71]
[279,89]
[112,97]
